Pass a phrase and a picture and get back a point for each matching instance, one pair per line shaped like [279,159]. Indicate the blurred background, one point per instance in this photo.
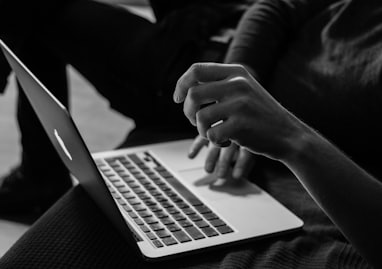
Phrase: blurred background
[88,109]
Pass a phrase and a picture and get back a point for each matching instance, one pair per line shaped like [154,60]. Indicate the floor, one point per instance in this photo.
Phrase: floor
[88,110]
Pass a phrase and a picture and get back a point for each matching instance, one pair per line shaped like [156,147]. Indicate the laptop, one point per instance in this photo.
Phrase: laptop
[161,202]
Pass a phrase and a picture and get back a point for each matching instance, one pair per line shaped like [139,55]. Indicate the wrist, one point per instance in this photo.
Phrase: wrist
[298,143]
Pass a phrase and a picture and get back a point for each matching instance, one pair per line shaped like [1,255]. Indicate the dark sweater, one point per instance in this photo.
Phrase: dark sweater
[321,60]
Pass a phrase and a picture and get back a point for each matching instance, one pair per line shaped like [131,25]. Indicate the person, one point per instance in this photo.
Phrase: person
[117,52]
[228,105]
[319,61]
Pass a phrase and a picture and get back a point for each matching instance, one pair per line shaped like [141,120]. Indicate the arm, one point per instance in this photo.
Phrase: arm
[252,118]
[262,35]
[348,195]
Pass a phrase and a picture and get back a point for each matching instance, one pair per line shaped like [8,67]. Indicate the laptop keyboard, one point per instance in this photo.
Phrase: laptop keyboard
[166,211]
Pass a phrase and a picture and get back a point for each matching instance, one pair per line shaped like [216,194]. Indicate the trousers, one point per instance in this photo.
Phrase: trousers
[132,62]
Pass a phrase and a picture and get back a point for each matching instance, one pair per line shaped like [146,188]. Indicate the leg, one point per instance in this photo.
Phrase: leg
[130,61]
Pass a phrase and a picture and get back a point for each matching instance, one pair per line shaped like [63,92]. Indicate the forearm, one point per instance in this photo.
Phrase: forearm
[349,195]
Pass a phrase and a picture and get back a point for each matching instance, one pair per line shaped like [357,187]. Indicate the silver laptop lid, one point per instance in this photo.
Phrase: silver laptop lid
[67,140]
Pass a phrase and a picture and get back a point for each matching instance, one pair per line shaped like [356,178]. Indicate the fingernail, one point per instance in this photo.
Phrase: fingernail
[191,154]
[208,168]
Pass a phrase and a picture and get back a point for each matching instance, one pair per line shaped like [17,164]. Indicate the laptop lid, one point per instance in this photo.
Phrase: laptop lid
[67,141]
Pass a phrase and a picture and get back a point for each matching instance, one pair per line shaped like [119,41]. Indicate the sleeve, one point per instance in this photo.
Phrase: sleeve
[265,30]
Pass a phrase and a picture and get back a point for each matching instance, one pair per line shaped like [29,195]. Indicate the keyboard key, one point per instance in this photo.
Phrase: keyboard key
[132,215]
[118,184]
[194,233]
[168,241]
[172,210]
[155,208]
[138,221]
[128,195]
[121,202]
[138,190]
[144,228]
[161,214]
[210,216]
[155,193]
[166,204]
[173,227]
[128,179]
[139,207]
[145,214]
[179,217]
[134,201]
[160,169]
[194,217]
[163,233]
[147,171]
[185,223]
[156,226]
[217,222]
[144,196]
[151,220]
[127,208]
[151,235]
[224,229]
[164,173]
[210,232]
[202,224]
[133,185]
[167,221]
[161,199]
[149,202]
[202,209]
[182,236]
[157,243]
[188,211]
[123,189]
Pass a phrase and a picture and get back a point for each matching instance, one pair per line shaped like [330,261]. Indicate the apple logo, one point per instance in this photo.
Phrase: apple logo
[62,144]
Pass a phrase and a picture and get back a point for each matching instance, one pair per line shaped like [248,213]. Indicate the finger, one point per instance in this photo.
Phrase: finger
[198,143]
[221,133]
[212,158]
[202,72]
[225,160]
[211,116]
[204,95]
[244,163]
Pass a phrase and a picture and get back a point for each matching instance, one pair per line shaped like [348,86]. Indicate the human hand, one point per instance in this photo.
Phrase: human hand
[232,161]
[239,109]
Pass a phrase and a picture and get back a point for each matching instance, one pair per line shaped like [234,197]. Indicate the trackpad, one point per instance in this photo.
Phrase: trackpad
[212,188]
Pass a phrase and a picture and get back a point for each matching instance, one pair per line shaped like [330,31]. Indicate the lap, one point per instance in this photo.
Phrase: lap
[74,233]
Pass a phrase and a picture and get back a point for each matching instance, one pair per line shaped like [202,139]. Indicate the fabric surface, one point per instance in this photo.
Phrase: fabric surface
[322,61]
[75,234]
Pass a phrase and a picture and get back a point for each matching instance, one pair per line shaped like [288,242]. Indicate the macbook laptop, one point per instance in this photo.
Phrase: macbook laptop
[163,203]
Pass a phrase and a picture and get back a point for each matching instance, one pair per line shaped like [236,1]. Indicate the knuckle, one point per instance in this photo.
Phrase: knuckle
[240,69]
[195,69]
[201,116]
[193,95]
